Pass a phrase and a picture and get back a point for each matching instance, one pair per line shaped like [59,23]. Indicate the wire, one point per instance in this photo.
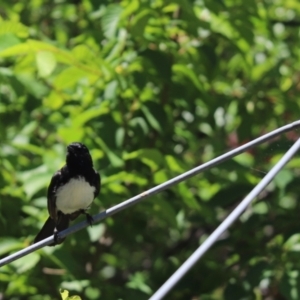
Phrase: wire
[191,261]
[152,191]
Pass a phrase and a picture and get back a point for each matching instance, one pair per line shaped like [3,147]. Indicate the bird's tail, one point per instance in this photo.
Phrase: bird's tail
[49,229]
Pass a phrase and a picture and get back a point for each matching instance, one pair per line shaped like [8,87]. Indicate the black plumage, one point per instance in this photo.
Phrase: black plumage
[71,191]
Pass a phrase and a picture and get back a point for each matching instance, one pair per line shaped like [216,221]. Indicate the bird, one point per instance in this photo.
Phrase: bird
[71,191]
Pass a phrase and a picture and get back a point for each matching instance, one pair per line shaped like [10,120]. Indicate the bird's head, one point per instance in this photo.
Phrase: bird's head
[78,155]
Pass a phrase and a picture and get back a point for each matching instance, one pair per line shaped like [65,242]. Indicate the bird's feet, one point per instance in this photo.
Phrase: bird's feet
[57,240]
[89,218]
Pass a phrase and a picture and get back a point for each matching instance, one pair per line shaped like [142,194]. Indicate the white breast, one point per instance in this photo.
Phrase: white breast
[75,195]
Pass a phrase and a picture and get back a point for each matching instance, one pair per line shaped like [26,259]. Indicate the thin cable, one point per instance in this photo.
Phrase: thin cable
[152,191]
[192,260]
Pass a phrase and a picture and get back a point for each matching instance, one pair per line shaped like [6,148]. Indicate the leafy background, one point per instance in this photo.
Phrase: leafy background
[153,88]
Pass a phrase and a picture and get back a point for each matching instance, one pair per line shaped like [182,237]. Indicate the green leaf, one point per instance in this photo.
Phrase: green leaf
[120,136]
[77,285]
[140,21]
[244,159]
[260,208]
[151,118]
[150,157]
[139,121]
[289,285]
[110,20]
[26,263]
[46,63]
[13,27]
[96,232]
[283,178]
[111,90]
[8,40]
[90,114]
[69,77]
[174,164]
[130,8]
[188,73]
[32,84]
[71,134]
[137,281]
[293,243]
[65,295]
[187,197]
[34,180]
[160,176]
[114,159]
[54,100]
[8,245]
[126,177]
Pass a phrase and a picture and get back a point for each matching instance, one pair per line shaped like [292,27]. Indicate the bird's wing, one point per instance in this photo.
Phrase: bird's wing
[52,189]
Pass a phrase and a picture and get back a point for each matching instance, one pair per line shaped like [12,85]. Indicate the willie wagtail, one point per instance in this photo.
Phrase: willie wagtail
[71,191]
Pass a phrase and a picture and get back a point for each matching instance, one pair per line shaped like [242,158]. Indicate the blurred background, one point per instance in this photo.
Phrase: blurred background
[153,88]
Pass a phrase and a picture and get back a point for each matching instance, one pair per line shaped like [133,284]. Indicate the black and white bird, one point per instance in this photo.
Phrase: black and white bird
[71,191]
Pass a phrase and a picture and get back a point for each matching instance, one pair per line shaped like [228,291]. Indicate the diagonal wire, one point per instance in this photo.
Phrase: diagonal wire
[152,191]
[192,260]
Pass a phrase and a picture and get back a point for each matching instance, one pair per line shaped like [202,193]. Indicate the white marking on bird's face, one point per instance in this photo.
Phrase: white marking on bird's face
[75,195]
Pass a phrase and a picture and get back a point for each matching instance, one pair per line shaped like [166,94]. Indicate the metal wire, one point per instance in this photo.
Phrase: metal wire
[152,191]
[192,260]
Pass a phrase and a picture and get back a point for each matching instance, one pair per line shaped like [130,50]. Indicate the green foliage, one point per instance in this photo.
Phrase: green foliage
[65,296]
[153,89]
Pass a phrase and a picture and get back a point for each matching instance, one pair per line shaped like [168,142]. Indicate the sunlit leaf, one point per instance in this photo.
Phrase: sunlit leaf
[13,27]
[111,19]
[46,63]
